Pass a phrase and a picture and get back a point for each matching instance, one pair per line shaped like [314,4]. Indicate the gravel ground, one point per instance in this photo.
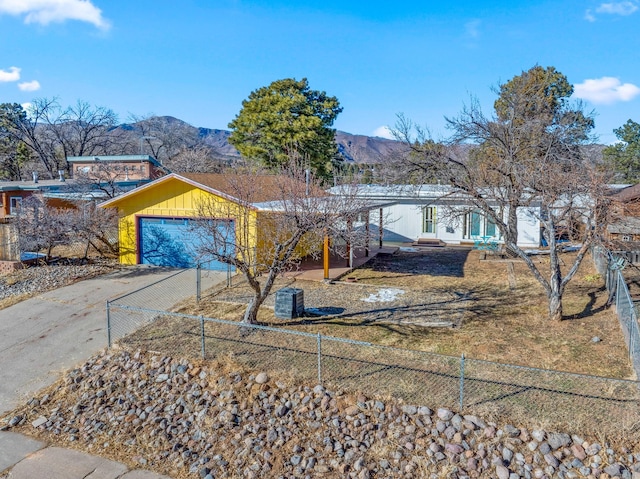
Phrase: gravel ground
[40,278]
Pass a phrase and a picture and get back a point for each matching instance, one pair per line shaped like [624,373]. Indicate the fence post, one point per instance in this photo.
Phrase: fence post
[461,382]
[108,325]
[202,337]
[198,282]
[319,342]
[228,275]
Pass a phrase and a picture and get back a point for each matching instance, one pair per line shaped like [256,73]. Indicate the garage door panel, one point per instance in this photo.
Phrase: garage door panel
[170,242]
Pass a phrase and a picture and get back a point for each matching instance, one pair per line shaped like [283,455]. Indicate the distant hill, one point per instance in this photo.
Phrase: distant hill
[353,148]
[356,149]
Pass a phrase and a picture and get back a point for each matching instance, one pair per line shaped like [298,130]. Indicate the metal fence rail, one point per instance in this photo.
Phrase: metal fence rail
[542,397]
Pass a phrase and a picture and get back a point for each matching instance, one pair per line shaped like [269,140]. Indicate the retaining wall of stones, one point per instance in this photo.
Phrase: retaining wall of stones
[188,419]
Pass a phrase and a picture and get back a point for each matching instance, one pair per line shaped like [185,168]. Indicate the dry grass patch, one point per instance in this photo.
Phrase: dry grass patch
[491,320]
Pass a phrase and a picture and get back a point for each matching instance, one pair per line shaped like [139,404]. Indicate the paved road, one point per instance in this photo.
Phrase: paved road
[42,337]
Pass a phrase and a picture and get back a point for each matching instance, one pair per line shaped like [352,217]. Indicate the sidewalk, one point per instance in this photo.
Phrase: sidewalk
[24,458]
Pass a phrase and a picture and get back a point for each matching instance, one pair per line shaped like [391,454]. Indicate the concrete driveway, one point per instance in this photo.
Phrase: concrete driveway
[43,336]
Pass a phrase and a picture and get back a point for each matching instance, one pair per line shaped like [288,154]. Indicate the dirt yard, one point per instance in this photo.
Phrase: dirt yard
[449,301]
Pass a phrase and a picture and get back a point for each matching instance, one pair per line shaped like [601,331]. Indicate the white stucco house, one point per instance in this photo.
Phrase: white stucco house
[434,212]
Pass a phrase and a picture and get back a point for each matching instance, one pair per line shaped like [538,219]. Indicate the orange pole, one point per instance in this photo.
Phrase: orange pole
[325,257]
[349,252]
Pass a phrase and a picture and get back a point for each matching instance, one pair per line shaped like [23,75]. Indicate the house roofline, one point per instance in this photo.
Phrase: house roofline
[114,201]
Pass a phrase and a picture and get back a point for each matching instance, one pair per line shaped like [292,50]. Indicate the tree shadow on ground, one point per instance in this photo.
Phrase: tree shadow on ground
[589,309]
[402,319]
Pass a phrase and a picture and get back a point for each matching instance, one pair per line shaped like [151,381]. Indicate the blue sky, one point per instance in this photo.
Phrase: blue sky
[198,59]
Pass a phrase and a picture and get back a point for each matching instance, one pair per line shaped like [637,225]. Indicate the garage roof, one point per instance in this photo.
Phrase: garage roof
[263,188]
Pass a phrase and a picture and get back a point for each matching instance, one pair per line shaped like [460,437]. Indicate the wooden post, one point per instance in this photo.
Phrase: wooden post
[380,229]
[325,257]
[367,236]
[349,252]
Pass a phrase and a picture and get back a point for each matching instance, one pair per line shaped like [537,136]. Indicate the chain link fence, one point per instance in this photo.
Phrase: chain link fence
[611,266]
[539,397]
[163,295]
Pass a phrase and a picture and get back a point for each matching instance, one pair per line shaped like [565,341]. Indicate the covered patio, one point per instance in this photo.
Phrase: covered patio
[338,266]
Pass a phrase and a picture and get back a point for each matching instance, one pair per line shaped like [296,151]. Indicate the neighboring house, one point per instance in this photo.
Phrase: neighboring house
[432,213]
[13,193]
[624,231]
[127,171]
[155,219]
[12,196]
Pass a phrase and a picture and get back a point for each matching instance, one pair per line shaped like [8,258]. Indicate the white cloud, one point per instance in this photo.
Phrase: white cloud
[605,90]
[625,8]
[47,11]
[29,85]
[618,8]
[26,106]
[12,74]
[383,132]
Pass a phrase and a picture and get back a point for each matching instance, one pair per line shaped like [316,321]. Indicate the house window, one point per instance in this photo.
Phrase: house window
[429,220]
[14,204]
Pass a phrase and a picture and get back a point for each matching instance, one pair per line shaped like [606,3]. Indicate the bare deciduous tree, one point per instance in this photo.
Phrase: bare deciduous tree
[97,227]
[81,130]
[271,238]
[525,160]
[197,159]
[40,227]
[53,132]
[164,137]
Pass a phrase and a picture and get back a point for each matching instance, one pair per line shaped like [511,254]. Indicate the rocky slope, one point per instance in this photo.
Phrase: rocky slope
[216,421]
[40,278]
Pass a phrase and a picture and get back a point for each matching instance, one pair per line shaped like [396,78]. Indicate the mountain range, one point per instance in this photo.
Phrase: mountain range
[353,148]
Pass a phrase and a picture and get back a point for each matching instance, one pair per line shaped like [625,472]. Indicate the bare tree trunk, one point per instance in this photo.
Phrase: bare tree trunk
[251,313]
[555,305]
[261,293]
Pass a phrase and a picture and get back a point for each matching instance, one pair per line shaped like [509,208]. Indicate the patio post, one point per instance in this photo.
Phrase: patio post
[367,235]
[380,230]
[349,251]
[325,256]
